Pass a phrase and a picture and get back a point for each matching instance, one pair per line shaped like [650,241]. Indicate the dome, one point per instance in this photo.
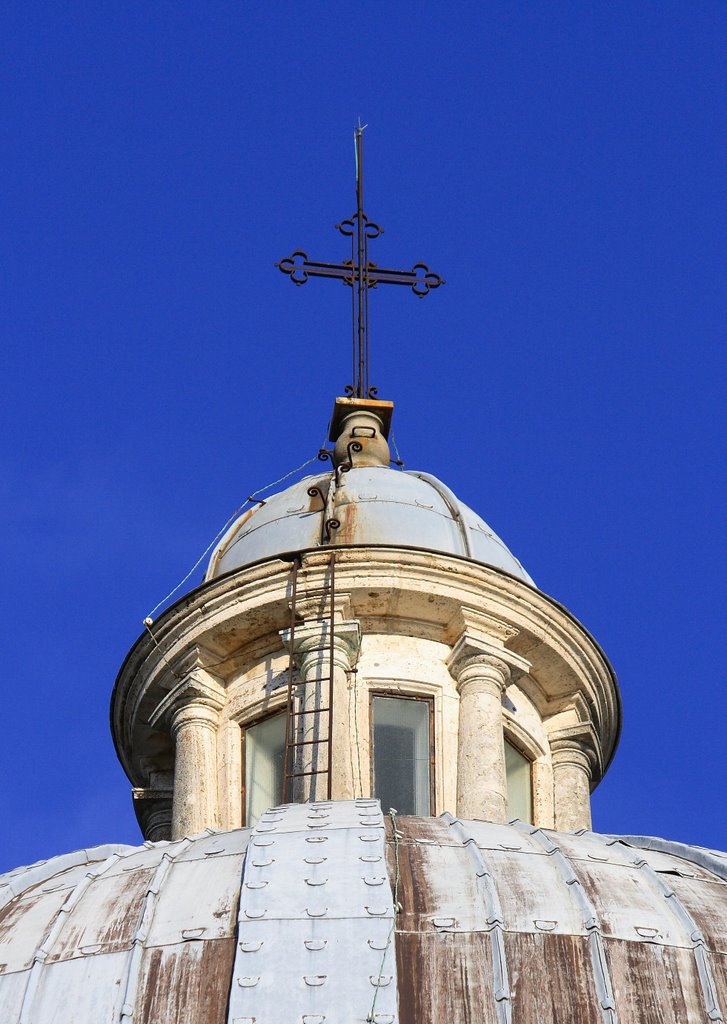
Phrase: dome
[293,922]
[366,505]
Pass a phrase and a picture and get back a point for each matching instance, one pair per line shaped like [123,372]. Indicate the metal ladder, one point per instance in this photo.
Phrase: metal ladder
[306,697]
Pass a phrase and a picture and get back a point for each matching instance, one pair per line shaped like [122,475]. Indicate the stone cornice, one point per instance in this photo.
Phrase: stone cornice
[407,589]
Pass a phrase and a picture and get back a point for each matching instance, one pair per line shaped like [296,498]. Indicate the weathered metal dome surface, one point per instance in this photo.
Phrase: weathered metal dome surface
[372,505]
[293,922]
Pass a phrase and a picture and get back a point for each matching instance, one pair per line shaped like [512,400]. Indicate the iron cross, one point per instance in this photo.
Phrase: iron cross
[360,274]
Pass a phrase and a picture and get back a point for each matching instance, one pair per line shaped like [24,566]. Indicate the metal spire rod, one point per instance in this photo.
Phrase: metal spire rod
[360,272]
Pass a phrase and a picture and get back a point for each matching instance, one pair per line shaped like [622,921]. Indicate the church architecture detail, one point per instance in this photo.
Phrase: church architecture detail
[361,754]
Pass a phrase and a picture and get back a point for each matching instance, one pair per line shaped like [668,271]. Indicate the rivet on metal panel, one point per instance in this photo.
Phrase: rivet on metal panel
[646,933]
[255,885]
[314,980]
[318,824]
[250,947]
[370,859]
[376,911]
[90,950]
[380,980]
[243,1020]
[369,839]
[313,1018]
[254,914]
[383,1018]
[316,881]
[316,839]
[600,857]
[266,828]
[263,842]
[315,860]
[248,982]
[545,926]
[443,922]
[314,945]
[193,933]
[316,911]
[378,944]
[263,863]
[373,881]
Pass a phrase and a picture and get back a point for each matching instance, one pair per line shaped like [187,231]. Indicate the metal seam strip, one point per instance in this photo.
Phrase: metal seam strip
[335,948]
[696,937]
[51,936]
[450,500]
[491,900]
[599,962]
[710,859]
[141,932]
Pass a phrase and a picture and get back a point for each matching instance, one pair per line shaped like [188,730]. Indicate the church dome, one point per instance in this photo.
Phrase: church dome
[333,911]
[366,505]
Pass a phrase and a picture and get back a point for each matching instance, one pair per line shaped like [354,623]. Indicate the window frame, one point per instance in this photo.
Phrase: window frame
[244,726]
[428,699]
[507,737]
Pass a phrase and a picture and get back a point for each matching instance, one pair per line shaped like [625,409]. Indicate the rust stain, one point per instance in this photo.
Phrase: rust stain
[107,915]
[551,979]
[445,978]
[186,984]
[655,984]
[706,901]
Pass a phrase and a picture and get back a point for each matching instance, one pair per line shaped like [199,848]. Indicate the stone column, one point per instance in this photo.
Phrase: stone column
[194,807]
[191,712]
[481,783]
[572,770]
[312,652]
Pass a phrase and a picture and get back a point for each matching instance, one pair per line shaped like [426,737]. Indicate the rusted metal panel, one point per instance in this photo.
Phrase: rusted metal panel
[316,920]
[84,990]
[185,983]
[655,984]
[707,904]
[551,979]
[105,920]
[626,905]
[533,895]
[445,978]
[197,901]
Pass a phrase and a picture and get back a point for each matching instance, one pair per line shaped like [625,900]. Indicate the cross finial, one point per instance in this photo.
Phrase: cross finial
[360,274]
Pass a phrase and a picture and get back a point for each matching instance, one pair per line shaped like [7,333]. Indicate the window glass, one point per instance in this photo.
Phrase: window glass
[519,784]
[264,751]
[401,754]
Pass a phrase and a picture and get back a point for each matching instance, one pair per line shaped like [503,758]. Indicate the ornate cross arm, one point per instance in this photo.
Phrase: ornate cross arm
[360,274]
[420,278]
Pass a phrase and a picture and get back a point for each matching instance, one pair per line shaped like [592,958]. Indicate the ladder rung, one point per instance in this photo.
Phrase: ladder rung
[307,743]
[297,775]
[310,711]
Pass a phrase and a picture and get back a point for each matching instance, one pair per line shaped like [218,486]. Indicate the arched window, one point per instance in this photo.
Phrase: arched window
[518,771]
[264,750]
[401,730]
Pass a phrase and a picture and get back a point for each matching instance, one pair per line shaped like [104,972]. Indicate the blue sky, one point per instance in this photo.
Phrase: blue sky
[562,165]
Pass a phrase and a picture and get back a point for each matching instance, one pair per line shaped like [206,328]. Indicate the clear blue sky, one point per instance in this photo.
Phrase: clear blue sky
[561,164]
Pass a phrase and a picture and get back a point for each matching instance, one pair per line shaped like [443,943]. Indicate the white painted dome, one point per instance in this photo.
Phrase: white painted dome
[324,913]
[367,505]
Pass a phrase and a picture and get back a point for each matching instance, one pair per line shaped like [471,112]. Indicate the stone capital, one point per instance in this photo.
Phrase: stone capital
[575,745]
[475,656]
[311,644]
[196,688]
